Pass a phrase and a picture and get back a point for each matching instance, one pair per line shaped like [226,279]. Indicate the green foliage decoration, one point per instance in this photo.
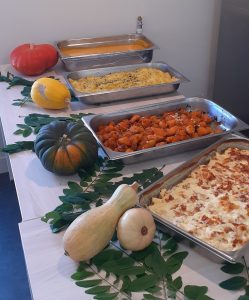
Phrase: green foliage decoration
[237,282]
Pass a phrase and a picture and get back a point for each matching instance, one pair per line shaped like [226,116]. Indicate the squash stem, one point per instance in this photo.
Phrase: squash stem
[135,185]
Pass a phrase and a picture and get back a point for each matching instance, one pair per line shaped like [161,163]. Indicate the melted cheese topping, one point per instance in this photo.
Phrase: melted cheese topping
[212,203]
[122,80]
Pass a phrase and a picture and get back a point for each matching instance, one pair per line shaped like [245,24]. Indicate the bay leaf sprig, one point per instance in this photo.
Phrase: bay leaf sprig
[18,147]
[238,282]
[14,80]
[135,272]
[33,122]
[95,186]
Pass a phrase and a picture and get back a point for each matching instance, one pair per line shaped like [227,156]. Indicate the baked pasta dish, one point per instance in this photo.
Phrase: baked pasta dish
[212,203]
[122,80]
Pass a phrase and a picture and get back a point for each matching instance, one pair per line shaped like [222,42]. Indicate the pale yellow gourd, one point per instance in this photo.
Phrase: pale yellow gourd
[50,93]
[92,231]
[136,229]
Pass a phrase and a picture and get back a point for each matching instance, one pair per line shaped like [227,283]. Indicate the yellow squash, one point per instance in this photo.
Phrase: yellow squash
[50,93]
[92,231]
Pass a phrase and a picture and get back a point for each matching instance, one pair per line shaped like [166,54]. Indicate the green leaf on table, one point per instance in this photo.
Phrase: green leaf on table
[151,297]
[194,291]
[155,262]
[88,283]
[74,187]
[18,147]
[243,297]
[204,297]
[174,262]
[175,284]
[143,283]
[170,246]
[247,290]
[106,296]
[232,268]
[105,255]
[97,290]
[233,284]
[81,275]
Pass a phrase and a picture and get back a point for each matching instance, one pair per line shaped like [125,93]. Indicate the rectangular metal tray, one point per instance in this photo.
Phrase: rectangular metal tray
[178,175]
[108,59]
[135,92]
[228,122]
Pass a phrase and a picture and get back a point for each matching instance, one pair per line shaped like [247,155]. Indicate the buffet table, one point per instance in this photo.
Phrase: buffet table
[38,190]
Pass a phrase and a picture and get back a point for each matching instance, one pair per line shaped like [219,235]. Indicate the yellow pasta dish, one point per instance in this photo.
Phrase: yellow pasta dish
[122,80]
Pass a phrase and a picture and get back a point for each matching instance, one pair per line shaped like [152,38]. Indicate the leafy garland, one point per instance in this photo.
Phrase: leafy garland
[14,80]
[236,283]
[149,271]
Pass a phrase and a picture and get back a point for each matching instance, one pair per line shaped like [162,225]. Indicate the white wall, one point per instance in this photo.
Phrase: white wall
[185,31]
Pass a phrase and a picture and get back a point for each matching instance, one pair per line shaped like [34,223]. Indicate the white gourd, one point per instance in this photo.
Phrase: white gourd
[136,229]
[89,233]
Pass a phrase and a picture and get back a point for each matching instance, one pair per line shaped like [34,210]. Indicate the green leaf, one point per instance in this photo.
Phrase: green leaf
[105,255]
[204,297]
[156,263]
[126,284]
[19,131]
[97,290]
[153,289]
[18,147]
[88,283]
[143,283]
[174,262]
[119,266]
[140,255]
[232,268]
[165,236]
[81,275]
[244,297]
[247,290]
[170,246]
[175,285]
[233,284]
[27,132]
[106,296]
[194,291]
[151,297]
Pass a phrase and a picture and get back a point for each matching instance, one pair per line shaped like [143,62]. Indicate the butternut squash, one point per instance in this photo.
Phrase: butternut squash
[91,232]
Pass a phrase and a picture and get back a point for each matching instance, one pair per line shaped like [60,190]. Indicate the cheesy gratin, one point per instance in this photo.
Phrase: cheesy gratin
[212,203]
[122,80]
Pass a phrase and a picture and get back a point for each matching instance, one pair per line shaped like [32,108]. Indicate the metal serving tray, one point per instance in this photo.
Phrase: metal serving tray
[176,176]
[108,59]
[228,123]
[135,92]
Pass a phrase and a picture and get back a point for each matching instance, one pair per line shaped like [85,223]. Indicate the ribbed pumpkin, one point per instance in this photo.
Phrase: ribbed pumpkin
[65,147]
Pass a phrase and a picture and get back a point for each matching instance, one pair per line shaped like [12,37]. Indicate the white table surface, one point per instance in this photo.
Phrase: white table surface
[38,189]
[48,269]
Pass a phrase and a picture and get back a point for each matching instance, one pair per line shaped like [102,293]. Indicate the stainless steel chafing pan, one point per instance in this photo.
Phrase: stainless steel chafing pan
[228,123]
[128,93]
[79,62]
[178,175]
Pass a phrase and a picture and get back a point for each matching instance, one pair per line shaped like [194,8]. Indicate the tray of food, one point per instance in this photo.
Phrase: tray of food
[206,199]
[111,84]
[161,129]
[87,53]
